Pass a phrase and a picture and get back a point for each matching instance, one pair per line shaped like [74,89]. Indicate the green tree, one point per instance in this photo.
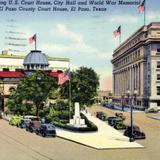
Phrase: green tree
[84,86]
[33,89]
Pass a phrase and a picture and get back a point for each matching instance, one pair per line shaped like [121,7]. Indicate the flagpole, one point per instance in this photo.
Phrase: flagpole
[144,12]
[70,96]
[119,39]
[120,35]
[35,41]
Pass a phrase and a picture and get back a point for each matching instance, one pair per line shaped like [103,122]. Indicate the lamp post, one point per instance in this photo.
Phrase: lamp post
[122,102]
[130,100]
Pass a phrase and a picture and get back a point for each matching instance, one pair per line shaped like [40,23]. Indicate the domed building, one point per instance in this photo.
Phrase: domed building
[36,60]
[14,67]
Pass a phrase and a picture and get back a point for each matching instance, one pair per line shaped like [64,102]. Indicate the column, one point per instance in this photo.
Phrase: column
[130,78]
[141,78]
[134,78]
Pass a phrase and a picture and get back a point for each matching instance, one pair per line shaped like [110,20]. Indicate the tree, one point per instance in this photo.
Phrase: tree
[35,89]
[84,86]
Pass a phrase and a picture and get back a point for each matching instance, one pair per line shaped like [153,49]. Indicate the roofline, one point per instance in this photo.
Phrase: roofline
[23,56]
[133,34]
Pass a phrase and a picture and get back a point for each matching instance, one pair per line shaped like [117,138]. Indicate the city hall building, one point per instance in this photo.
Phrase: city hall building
[14,67]
[136,66]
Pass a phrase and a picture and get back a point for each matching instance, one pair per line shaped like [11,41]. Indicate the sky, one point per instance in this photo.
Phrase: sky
[85,37]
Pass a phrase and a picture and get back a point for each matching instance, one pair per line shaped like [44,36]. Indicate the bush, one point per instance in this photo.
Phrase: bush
[90,126]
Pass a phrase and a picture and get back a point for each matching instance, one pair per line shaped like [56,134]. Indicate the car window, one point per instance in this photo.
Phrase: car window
[50,127]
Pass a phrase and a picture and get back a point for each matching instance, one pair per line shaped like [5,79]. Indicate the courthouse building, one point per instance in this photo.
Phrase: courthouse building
[14,67]
[136,66]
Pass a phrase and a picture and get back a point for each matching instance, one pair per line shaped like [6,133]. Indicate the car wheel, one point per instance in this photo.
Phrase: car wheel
[37,133]
[43,134]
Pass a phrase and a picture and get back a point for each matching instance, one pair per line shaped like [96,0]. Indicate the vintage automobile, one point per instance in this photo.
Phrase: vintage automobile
[137,134]
[111,120]
[33,126]
[119,114]
[47,130]
[24,123]
[15,120]
[118,124]
[152,110]
[101,116]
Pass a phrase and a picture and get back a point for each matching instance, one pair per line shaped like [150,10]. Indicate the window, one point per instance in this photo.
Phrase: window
[158,103]
[158,64]
[158,90]
[158,76]
[158,49]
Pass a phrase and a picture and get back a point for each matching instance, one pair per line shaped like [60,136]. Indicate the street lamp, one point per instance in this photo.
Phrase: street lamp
[130,100]
[122,102]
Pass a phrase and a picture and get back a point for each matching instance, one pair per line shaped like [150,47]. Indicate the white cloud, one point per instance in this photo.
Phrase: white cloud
[153,15]
[62,30]
[123,19]
[54,47]
[77,46]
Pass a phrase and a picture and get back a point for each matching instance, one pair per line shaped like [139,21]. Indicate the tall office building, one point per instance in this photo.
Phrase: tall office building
[136,66]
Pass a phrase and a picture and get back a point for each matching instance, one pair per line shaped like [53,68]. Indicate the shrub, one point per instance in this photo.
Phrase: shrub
[63,124]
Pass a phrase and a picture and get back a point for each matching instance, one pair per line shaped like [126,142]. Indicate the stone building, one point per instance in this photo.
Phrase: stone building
[13,68]
[136,66]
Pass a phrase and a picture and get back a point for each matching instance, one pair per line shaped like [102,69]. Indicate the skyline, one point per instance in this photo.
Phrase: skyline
[84,37]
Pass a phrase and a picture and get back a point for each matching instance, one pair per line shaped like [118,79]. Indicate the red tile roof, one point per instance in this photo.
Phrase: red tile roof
[16,74]
[11,74]
[54,74]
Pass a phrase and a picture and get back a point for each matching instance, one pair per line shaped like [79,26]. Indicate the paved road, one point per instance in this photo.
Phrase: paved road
[150,126]
[17,144]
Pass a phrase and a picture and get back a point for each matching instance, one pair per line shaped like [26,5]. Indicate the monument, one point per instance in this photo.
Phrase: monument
[77,121]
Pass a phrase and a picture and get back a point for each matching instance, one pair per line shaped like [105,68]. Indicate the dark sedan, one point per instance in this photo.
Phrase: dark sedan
[34,126]
[47,130]
[137,134]
[24,123]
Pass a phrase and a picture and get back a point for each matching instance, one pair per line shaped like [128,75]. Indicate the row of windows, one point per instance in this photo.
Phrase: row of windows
[128,58]
[132,43]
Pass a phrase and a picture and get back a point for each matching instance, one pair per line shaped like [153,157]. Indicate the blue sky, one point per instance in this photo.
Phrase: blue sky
[84,37]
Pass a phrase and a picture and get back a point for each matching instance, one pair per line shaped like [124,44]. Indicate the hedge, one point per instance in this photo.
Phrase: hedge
[90,126]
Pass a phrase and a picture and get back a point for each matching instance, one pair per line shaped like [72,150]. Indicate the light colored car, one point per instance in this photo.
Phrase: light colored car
[15,120]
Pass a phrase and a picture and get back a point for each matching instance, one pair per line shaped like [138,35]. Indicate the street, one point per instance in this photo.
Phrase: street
[17,144]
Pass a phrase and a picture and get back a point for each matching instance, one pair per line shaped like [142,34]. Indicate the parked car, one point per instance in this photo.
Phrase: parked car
[152,110]
[111,120]
[119,114]
[47,130]
[15,120]
[24,123]
[33,126]
[137,134]
[101,116]
[118,124]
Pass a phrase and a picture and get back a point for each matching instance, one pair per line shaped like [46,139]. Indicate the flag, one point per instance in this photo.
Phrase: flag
[63,77]
[117,32]
[141,7]
[32,39]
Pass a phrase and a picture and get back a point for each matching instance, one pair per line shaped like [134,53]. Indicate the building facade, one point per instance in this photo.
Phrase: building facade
[16,62]
[136,66]
[14,67]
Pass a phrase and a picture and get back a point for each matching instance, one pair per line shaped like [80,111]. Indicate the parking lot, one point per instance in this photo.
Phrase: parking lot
[17,144]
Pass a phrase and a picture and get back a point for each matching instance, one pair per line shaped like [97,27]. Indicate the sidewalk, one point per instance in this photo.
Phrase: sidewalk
[105,138]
